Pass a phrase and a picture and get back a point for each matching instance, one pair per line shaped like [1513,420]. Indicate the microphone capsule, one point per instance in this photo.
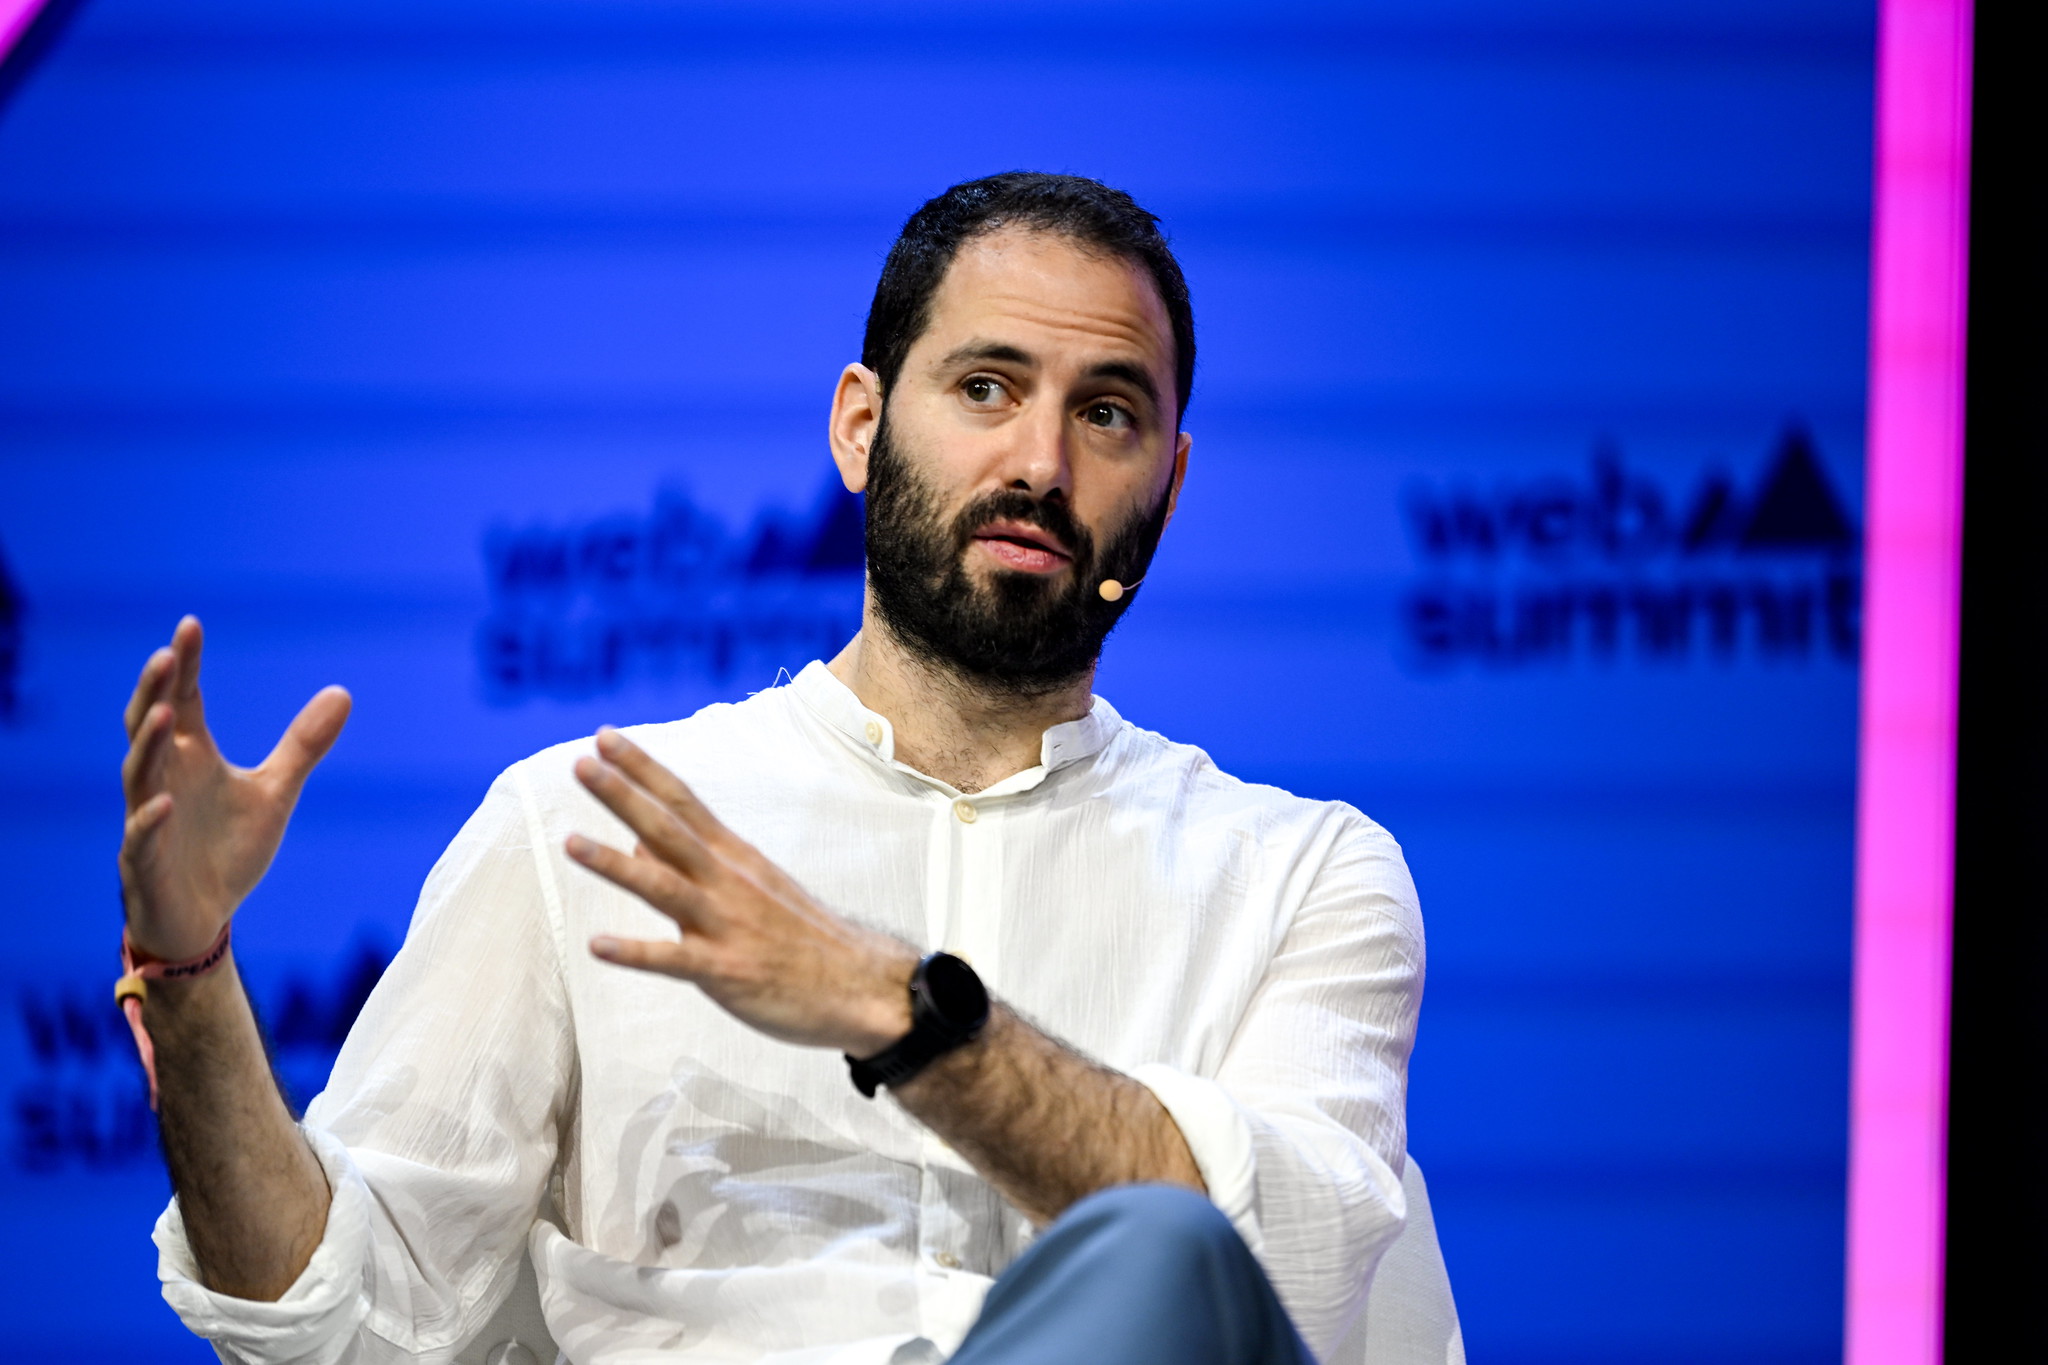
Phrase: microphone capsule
[1113,591]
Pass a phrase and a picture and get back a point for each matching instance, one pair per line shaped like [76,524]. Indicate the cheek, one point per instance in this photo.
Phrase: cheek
[952,453]
[1113,491]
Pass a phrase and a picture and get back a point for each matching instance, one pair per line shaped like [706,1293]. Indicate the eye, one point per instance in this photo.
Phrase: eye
[1108,416]
[981,389]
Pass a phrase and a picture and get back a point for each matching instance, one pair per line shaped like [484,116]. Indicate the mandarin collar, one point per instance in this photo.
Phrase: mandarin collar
[834,703]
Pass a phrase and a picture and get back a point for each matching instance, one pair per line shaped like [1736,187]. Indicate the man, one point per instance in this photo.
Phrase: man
[655,982]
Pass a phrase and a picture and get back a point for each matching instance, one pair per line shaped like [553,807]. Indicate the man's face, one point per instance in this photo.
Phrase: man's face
[1028,450]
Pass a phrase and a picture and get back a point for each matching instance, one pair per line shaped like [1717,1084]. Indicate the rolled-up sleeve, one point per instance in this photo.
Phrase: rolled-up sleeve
[315,1321]
[1302,1133]
[1219,1137]
[438,1129]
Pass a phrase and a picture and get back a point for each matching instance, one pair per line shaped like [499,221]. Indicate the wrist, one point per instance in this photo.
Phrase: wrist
[949,1006]
[884,1014]
[154,941]
[960,1067]
[177,1009]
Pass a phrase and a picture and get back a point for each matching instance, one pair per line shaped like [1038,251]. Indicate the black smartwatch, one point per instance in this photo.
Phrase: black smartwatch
[948,1007]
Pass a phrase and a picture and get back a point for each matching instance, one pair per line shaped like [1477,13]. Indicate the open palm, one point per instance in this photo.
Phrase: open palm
[200,831]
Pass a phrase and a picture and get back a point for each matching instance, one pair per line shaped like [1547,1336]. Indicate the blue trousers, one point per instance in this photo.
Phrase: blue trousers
[1137,1275]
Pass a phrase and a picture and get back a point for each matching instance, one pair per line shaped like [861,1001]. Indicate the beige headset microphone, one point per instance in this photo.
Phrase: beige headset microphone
[1113,591]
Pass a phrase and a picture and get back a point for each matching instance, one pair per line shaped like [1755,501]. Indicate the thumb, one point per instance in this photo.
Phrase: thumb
[308,738]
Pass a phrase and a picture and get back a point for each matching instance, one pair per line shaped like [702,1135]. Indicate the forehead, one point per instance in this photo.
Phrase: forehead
[1050,295]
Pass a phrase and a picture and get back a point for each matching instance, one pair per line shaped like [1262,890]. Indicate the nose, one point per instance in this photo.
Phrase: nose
[1037,458]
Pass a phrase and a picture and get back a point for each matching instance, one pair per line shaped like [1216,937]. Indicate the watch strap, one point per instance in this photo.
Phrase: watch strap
[931,1035]
[901,1060]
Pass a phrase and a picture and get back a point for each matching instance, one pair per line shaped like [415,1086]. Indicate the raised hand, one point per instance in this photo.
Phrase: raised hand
[752,939]
[200,831]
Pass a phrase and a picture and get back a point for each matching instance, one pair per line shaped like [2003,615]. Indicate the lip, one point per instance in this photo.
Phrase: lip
[1016,545]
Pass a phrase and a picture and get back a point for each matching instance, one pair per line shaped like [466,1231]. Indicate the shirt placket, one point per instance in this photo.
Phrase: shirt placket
[963,913]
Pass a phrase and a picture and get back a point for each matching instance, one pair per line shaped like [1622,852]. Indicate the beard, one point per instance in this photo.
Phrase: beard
[1017,634]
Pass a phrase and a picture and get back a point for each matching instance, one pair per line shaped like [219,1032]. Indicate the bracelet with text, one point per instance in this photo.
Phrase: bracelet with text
[138,969]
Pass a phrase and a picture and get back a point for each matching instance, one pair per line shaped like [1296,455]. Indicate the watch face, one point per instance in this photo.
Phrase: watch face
[956,993]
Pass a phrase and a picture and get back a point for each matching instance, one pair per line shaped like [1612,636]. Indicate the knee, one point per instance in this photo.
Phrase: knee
[1167,1222]
[1138,1272]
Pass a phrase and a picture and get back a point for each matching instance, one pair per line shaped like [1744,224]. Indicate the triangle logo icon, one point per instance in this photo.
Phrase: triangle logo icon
[1796,508]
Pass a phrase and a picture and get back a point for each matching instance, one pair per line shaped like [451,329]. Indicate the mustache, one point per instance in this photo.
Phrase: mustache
[1010,504]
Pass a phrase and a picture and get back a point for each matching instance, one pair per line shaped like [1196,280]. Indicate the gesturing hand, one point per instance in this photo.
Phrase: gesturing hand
[752,939]
[201,832]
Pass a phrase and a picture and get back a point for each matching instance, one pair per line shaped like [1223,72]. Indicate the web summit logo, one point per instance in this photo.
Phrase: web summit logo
[667,595]
[1609,565]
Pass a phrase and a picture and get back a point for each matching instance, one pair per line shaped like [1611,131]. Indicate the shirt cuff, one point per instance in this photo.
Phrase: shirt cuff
[316,1320]
[1220,1138]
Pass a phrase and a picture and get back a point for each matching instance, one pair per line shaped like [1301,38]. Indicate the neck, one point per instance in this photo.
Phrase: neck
[947,727]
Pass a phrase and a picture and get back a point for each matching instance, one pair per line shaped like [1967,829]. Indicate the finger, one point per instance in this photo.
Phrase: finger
[139,768]
[308,738]
[663,785]
[148,688]
[137,829]
[147,817]
[139,846]
[671,791]
[654,882]
[186,642]
[674,793]
[658,827]
[649,955]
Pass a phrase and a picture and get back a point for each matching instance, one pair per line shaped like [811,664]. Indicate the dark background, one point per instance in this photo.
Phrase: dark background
[1998,1123]
[392,337]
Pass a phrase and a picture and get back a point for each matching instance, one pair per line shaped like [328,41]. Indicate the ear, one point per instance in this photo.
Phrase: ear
[856,415]
[1180,474]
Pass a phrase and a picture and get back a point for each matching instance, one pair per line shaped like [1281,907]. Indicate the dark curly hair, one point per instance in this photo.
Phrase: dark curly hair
[1088,211]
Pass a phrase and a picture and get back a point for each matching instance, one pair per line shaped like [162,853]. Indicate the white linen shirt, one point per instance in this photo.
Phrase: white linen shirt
[689,1189]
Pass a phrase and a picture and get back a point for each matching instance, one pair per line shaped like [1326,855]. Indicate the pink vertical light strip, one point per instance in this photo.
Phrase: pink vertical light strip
[15,17]
[1905,818]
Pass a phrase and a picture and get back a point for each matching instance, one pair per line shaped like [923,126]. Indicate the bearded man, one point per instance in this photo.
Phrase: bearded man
[1145,1103]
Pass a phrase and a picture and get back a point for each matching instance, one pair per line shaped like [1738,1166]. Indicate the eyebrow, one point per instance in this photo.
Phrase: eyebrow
[1122,370]
[1130,374]
[986,350]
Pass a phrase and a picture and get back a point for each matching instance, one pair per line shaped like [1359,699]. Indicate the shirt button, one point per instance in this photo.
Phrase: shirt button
[947,1260]
[966,811]
[874,732]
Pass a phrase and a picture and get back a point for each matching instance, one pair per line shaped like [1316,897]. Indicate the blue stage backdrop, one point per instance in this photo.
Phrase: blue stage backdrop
[476,355]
